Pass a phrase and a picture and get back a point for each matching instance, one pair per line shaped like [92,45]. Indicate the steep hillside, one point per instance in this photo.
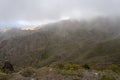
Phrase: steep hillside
[73,41]
[107,52]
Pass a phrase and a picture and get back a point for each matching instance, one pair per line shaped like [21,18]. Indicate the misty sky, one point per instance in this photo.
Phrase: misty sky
[21,12]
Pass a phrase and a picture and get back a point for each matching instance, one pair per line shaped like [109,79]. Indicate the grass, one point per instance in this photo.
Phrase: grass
[107,77]
[27,72]
[3,76]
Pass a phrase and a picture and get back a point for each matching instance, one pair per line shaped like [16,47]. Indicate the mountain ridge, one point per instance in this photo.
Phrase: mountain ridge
[66,40]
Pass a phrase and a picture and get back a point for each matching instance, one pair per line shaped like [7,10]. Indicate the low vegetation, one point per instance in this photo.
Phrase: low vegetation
[59,50]
[27,72]
[60,70]
[3,76]
[107,77]
[114,68]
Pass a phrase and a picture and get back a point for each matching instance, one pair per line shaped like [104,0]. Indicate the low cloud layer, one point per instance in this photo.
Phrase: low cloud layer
[35,11]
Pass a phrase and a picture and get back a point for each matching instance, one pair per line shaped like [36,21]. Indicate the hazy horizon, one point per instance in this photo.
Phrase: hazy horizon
[28,12]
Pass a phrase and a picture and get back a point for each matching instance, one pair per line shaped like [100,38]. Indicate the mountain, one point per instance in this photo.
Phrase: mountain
[6,33]
[106,52]
[95,42]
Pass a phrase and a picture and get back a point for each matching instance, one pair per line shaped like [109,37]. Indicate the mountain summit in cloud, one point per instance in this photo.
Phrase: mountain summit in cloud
[28,11]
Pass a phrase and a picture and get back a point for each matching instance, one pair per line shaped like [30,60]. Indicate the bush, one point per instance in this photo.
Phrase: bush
[86,66]
[17,69]
[58,65]
[72,66]
[65,72]
[7,71]
[99,68]
[114,68]
[107,77]
[3,76]
[27,72]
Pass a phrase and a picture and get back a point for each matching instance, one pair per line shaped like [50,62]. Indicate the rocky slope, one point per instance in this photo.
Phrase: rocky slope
[73,41]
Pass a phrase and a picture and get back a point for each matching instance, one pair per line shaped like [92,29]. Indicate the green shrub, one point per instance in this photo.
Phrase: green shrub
[27,72]
[107,77]
[72,66]
[114,68]
[86,66]
[58,65]
[99,68]
[3,76]
[17,69]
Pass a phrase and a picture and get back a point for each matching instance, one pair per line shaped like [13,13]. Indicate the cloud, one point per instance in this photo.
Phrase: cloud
[44,10]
